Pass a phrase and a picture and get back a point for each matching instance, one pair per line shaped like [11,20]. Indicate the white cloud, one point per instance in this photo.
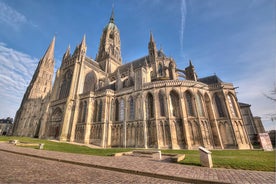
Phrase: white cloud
[182,24]
[16,72]
[11,17]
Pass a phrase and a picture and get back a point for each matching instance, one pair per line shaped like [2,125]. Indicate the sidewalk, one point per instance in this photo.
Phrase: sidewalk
[149,167]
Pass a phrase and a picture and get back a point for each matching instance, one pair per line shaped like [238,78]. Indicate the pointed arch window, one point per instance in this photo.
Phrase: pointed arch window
[90,82]
[189,103]
[219,106]
[66,84]
[232,106]
[84,111]
[122,110]
[116,110]
[199,105]
[95,111]
[174,103]
[100,110]
[80,112]
[162,104]
[150,106]
[57,115]
[160,69]
[131,108]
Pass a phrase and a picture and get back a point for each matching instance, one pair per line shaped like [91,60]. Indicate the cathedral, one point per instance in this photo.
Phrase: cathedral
[146,103]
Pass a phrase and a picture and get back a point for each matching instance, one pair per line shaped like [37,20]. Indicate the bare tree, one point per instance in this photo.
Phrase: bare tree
[272,96]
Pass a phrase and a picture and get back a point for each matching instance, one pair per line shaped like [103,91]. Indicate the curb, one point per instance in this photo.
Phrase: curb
[141,173]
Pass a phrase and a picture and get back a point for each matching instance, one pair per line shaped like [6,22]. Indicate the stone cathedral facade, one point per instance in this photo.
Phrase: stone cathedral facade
[146,103]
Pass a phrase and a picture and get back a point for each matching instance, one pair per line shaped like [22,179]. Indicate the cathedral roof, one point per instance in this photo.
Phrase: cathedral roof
[138,63]
[213,79]
[243,104]
[160,53]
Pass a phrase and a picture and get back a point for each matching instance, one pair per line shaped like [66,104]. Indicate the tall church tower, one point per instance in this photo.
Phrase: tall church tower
[152,48]
[31,113]
[109,54]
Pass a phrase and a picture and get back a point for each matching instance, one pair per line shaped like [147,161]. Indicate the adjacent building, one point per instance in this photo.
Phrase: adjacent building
[6,126]
[253,125]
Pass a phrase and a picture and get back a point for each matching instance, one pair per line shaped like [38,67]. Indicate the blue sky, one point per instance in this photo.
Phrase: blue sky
[234,39]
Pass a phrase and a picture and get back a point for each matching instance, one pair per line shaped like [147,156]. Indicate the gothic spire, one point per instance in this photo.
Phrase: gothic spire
[83,42]
[67,53]
[50,51]
[152,47]
[190,63]
[111,20]
[82,46]
[151,37]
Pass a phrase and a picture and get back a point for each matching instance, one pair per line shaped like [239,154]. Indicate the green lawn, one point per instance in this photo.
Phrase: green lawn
[65,147]
[235,159]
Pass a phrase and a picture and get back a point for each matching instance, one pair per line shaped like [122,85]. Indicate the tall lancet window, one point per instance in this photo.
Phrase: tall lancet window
[162,104]
[160,69]
[116,113]
[95,111]
[100,109]
[189,103]
[219,106]
[80,112]
[150,106]
[174,100]
[122,110]
[84,111]
[131,108]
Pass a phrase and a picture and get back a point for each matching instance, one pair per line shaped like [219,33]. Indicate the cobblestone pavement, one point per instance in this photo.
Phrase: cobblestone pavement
[24,169]
[149,167]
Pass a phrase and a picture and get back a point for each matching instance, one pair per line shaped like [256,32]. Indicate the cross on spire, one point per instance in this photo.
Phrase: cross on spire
[111,20]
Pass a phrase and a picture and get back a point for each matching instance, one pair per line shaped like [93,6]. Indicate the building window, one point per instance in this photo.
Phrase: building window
[150,106]
[116,110]
[84,111]
[66,84]
[162,104]
[57,115]
[100,110]
[80,112]
[174,103]
[131,108]
[199,105]
[232,106]
[219,106]
[89,82]
[160,69]
[95,111]
[189,103]
[122,110]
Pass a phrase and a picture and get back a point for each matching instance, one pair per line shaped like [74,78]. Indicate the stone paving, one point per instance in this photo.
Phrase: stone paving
[148,167]
[25,169]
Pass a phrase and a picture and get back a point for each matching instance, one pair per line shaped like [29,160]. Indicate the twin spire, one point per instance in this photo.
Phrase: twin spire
[49,54]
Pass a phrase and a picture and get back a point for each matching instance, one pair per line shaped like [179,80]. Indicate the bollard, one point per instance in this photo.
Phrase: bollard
[41,146]
[205,157]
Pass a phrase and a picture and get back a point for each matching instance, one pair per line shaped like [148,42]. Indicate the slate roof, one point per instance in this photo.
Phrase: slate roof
[138,63]
[213,79]
[243,104]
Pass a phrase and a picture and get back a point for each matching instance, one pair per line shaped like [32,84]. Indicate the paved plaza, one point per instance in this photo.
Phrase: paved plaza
[25,165]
